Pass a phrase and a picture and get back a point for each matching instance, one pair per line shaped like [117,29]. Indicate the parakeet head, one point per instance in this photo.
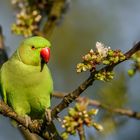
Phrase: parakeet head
[34,50]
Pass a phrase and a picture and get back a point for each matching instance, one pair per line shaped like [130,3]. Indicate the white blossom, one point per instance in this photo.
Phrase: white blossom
[102,49]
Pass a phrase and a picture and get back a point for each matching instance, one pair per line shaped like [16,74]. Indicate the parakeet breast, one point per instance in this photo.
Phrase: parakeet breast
[27,89]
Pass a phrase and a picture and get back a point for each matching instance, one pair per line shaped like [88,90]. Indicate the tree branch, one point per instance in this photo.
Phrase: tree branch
[81,133]
[8,112]
[120,111]
[70,97]
[35,126]
[27,135]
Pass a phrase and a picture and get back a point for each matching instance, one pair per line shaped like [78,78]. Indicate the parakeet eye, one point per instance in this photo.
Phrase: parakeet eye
[33,47]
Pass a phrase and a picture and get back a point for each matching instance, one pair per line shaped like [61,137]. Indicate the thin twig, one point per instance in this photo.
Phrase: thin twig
[81,133]
[121,111]
[70,97]
[54,16]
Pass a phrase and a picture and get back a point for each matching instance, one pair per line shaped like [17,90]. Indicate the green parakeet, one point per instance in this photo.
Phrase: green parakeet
[25,79]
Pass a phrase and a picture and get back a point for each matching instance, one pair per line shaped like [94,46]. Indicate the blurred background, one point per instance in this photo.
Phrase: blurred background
[116,24]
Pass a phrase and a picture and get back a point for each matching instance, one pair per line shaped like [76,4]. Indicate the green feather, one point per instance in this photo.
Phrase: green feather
[24,87]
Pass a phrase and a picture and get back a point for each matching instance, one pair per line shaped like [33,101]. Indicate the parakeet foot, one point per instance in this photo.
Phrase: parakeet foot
[48,114]
[27,120]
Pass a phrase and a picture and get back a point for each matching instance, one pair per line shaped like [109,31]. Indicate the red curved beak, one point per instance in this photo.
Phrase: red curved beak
[45,54]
